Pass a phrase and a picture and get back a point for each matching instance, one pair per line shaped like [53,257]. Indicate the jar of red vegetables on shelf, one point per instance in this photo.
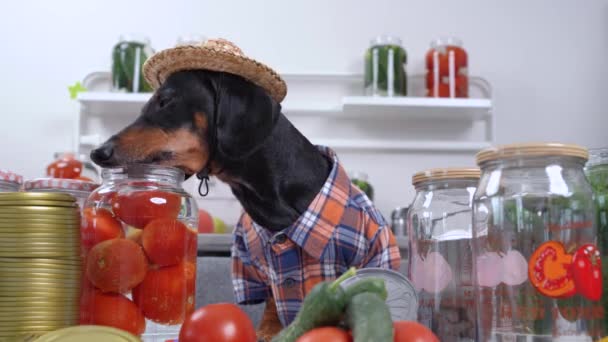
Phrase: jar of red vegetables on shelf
[535,246]
[447,69]
[10,181]
[139,242]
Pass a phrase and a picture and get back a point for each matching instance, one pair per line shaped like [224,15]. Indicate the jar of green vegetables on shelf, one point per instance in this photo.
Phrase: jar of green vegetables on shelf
[596,170]
[385,62]
[128,57]
[360,179]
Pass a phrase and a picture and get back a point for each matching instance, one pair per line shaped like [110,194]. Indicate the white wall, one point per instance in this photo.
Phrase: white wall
[545,59]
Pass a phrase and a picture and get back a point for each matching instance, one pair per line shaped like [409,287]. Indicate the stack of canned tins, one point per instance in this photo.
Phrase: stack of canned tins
[40,263]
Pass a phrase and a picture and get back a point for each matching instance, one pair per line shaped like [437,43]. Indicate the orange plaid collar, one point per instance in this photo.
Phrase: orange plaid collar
[314,228]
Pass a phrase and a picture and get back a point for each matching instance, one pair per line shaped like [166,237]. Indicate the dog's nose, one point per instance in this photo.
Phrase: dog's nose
[102,154]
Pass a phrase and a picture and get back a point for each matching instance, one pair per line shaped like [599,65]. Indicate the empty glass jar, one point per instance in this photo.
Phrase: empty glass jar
[139,241]
[535,246]
[439,231]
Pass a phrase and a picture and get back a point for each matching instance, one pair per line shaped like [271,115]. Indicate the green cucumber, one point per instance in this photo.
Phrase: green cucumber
[369,318]
[373,285]
[324,305]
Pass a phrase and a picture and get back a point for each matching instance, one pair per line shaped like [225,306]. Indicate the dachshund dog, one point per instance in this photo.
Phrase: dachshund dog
[230,128]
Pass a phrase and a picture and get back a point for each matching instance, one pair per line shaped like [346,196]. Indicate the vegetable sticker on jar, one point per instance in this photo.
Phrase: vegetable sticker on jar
[447,69]
[385,67]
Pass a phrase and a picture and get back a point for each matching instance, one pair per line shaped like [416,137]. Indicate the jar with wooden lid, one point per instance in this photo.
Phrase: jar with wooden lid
[537,264]
[439,232]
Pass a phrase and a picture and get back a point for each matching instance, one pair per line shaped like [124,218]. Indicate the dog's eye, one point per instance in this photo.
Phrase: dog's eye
[163,101]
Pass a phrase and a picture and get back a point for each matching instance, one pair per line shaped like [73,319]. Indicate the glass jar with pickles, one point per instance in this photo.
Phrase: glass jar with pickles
[128,57]
[140,244]
[597,174]
[385,62]
[360,179]
[447,69]
[535,246]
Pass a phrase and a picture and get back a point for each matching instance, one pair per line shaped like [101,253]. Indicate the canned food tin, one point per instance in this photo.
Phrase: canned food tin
[402,299]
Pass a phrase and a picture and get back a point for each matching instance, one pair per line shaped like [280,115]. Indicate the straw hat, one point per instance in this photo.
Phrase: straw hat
[216,55]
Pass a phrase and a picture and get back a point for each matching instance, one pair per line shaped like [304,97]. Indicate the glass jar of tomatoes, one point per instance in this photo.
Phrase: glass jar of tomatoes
[140,245]
[10,181]
[537,264]
[447,69]
[439,231]
[385,62]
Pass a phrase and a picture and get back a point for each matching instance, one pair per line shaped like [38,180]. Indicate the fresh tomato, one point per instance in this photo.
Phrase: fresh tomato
[65,167]
[99,225]
[166,295]
[168,241]
[205,222]
[326,334]
[222,322]
[115,310]
[116,265]
[410,331]
[550,270]
[587,271]
[138,208]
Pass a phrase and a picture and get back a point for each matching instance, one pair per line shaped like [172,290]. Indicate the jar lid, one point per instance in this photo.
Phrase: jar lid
[91,333]
[445,174]
[9,176]
[446,41]
[362,176]
[385,40]
[59,184]
[531,150]
[598,156]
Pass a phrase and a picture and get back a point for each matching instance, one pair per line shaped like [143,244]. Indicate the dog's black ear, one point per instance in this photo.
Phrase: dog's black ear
[246,116]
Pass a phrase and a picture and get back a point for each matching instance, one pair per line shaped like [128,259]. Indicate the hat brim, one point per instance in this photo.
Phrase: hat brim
[164,63]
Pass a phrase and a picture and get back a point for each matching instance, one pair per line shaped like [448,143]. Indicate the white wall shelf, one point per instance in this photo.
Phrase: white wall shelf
[330,110]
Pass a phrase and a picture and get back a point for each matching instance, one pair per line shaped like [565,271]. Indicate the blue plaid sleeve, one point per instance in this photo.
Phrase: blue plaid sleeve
[249,284]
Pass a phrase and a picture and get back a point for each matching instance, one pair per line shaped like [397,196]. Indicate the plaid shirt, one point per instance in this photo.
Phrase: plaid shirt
[341,228]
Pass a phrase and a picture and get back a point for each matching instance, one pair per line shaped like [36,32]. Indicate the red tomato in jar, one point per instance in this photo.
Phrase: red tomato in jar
[114,310]
[167,242]
[99,225]
[443,58]
[221,322]
[67,167]
[410,331]
[166,295]
[116,265]
[138,208]
[326,334]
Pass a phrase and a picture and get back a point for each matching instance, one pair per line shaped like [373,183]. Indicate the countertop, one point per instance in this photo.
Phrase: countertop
[219,244]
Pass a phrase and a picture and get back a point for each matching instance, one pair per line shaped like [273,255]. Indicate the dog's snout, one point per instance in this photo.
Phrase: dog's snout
[102,154]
